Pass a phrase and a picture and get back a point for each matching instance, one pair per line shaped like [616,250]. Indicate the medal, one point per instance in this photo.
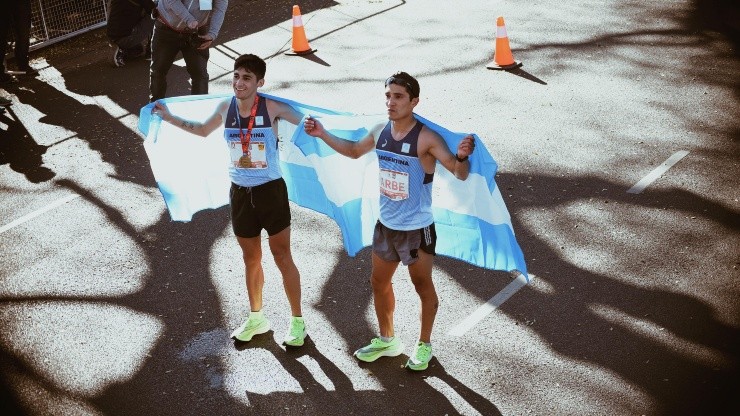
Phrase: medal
[246,161]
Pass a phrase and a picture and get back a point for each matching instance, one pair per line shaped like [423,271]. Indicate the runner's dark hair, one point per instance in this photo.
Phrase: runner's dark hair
[407,81]
[251,63]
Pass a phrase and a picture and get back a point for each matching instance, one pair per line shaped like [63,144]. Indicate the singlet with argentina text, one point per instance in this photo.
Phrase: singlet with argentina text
[262,163]
[405,189]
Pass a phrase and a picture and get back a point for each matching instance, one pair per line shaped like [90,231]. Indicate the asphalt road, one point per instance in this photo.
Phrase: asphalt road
[108,307]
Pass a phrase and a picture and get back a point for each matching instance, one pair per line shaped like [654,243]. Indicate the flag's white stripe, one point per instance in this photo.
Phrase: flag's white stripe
[470,197]
[191,174]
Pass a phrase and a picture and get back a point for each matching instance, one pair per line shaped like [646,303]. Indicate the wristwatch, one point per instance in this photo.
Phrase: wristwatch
[459,159]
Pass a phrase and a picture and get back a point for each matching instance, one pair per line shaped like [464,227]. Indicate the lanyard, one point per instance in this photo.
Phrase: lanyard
[246,138]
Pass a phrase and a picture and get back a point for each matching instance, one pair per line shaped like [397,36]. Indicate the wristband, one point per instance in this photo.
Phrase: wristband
[460,159]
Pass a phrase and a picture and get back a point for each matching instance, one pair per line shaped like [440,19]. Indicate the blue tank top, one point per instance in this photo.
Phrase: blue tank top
[405,189]
[261,163]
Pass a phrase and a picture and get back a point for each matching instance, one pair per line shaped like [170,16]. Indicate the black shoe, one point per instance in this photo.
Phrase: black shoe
[118,57]
[7,78]
[4,102]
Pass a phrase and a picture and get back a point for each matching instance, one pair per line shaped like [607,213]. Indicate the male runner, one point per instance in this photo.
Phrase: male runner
[259,196]
[407,154]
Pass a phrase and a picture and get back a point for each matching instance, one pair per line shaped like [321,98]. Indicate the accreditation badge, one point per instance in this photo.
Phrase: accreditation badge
[258,155]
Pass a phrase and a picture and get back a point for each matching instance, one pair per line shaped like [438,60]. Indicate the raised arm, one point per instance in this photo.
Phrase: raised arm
[458,163]
[283,111]
[201,129]
[313,127]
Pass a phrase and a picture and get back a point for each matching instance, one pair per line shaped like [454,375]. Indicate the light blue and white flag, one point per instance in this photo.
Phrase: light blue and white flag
[470,216]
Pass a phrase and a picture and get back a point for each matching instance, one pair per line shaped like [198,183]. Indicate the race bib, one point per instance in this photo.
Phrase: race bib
[255,158]
[394,185]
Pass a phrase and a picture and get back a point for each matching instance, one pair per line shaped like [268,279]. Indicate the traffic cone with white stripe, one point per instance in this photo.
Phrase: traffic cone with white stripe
[502,56]
[300,44]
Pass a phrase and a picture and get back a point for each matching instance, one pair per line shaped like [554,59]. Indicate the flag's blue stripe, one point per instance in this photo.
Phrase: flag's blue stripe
[481,162]
[468,238]
[305,190]
[461,236]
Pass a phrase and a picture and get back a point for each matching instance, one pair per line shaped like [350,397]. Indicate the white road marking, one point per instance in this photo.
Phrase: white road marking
[488,307]
[657,172]
[38,212]
[379,53]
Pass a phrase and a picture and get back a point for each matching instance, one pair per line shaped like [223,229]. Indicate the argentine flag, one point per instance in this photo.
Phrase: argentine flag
[470,216]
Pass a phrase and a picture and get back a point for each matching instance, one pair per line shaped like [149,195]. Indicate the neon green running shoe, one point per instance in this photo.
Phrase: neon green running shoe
[378,348]
[252,326]
[296,333]
[419,360]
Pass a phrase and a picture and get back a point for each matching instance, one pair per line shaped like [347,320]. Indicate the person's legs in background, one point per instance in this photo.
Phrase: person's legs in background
[21,15]
[196,62]
[165,46]
[137,43]
[4,29]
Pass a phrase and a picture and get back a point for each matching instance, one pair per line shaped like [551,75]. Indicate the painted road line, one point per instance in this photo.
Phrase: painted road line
[488,307]
[379,53]
[657,172]
[38,212]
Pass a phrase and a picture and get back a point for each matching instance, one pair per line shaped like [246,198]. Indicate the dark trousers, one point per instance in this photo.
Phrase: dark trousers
[15,15]
[140,36]
[166,43]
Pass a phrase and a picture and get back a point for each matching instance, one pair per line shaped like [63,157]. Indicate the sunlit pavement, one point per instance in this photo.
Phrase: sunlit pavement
[108,307]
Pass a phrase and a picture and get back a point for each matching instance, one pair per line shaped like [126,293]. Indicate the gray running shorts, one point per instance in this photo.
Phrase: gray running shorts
[392,245]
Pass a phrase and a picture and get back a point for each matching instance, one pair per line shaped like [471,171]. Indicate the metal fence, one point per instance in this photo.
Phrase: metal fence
[56,20]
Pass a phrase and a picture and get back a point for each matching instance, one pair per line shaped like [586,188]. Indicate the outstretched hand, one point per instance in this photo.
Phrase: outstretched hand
[313,127]
[161,110]
[466,146]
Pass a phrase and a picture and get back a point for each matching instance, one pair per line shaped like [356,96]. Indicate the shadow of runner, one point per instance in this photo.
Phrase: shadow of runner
[19,151]
[404,391]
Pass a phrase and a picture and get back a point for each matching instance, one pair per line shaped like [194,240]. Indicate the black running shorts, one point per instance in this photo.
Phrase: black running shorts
[259,207]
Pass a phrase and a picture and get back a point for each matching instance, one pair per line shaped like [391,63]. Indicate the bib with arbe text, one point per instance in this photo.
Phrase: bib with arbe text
[394,185]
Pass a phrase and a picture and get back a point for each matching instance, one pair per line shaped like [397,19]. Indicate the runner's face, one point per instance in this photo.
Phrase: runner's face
[245,83]
[398,102]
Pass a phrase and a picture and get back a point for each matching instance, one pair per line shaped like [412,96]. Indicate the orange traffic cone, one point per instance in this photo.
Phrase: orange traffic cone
[300,43]
[502,56]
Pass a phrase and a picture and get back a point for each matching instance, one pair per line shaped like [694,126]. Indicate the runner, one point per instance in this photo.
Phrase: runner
[258,196]
[407,154]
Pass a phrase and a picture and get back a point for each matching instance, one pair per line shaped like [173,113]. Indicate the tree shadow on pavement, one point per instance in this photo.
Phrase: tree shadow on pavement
[585,318]
[117,145]
[599,320]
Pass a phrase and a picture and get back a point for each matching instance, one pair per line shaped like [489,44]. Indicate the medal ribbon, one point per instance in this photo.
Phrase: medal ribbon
[247,138]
